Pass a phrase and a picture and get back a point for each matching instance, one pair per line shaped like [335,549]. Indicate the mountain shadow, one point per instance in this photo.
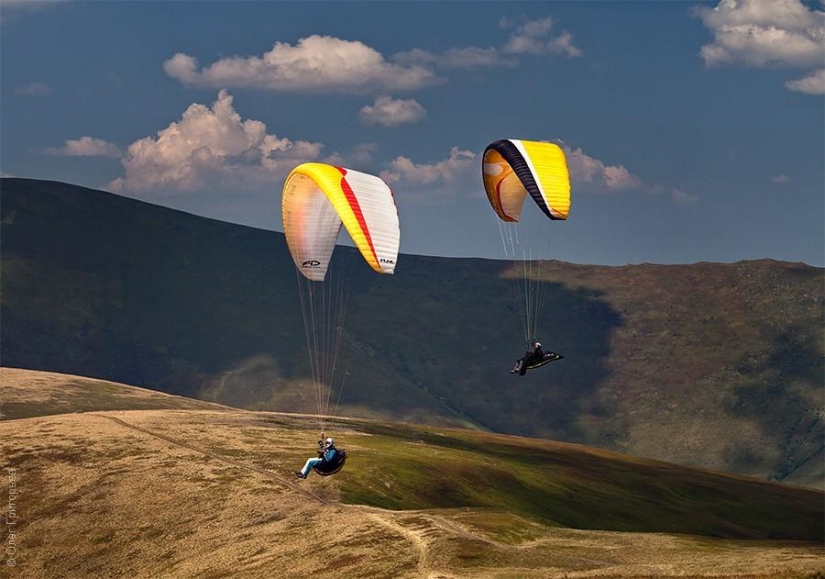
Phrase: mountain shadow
[781,404]
[109,287]
[452,327]
[712,365]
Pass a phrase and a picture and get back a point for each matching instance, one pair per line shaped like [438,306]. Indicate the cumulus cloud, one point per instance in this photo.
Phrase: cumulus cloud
[588,174]
[814,83]
[586,169]
[211,147]
[34,89]
[391,112]
[530,37]
[27,4]
[12,8]
[462,165]
[759,33]
[315,63]
[593,175]
[359,156]
[325,63]
[535,37]
[85,147]
[471,56]
[683,197]
[458,164]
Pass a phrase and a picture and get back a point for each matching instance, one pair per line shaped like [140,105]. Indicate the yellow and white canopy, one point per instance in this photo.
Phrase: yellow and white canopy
[318,198]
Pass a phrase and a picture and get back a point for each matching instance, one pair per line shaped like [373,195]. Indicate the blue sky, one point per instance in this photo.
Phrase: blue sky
[693,131]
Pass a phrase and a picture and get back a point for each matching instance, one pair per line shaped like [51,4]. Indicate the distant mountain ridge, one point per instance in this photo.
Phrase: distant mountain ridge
[712,365]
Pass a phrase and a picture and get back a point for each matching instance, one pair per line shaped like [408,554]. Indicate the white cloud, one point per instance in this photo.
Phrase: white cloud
[593,175]
[781,179]
[211,147]
[183,68]
[359,157]
[761,32]
[325,63]
[86,147]
[534,37]
[683,197]
[462,166]
[531,37]
[11,8]
[474,56]
[586,169]
[814,83]
[27,4]
[471,56]
[392,112]
[315,63]
[458,164]
[34,89]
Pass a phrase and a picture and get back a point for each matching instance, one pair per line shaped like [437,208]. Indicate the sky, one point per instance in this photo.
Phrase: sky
[693,131]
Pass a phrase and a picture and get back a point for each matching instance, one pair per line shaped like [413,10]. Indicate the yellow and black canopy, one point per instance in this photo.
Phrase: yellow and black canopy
[513,168]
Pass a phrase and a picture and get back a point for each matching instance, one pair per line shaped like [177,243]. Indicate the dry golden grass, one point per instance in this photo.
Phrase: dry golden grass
[210,493]
[27,393]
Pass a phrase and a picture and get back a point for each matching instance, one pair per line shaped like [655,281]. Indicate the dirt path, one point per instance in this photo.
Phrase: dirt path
[420,535]
[412,535]
[424,531]
[158,493]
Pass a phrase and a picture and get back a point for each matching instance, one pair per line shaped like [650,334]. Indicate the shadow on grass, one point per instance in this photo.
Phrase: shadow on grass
[452,328]
[108,287]
[774,394]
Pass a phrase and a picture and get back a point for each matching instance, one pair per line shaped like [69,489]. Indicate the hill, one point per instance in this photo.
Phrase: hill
[28,393]
[209,493]
[713,365]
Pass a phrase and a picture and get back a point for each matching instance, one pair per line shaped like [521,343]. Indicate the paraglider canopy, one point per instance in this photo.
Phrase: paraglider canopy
[512,169]
[318,198]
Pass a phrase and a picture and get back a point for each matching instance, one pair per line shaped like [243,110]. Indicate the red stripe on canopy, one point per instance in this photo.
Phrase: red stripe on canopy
[356,209]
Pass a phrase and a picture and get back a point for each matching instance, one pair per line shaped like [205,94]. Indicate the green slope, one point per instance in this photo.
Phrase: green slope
[404,467]
[715,365]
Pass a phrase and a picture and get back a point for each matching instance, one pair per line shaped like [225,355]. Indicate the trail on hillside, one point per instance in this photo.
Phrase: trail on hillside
[415,534]
[91,497]
[429,533]
[419,529]
[220,458]
[424,530]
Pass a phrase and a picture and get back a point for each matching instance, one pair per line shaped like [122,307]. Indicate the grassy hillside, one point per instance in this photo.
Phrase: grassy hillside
[714,365]
[109,287]
[28,393]
[210,493]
